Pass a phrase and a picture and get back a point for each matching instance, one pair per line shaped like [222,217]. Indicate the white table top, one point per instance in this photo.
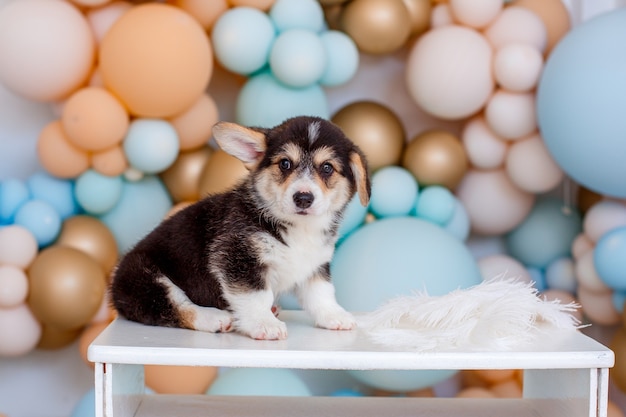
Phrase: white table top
[308,347]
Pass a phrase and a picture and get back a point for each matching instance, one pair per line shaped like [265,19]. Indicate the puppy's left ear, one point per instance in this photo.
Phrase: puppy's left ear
[358,165]
[245,144]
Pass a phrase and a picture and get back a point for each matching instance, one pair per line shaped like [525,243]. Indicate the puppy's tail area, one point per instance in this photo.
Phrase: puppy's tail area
[497,314]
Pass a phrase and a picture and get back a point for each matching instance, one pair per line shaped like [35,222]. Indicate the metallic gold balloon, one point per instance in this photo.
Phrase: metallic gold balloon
[419,13]
[91,236]
[377,26]
[54,338]
[66,287]
[375,129]
[182,178]
[436,157]
[222,171]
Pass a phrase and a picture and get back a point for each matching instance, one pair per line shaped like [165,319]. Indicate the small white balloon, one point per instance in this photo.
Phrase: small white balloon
[511,115]
[517,67]
[483,147]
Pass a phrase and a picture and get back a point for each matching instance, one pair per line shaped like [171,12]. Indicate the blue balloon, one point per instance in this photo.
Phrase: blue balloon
[59,193]
[619,298]
[298,58]
[394,191]
[13,193]
[546,234]
[397,256]
[609,258]
[343,58]
[41,219]
[581,99]
[560,275]
[459,225]
[353,217]
[347,393]
[151,145]
[297,14]
[436,204]
[538,277]
[259,382]
[142,206]
[97,193]
[265,102]
[86,406]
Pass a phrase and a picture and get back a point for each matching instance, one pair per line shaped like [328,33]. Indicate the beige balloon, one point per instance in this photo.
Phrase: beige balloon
[375,129]
[182,178]
[221,172]
[53,338]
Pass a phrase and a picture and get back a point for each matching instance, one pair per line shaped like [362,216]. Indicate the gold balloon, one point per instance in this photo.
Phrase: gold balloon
[222,172]
[377,26]
[66,287]
[618,372]
[419,13]
[182,178]
[436,157]
[91,236]
[54,338]
[375,129]
[179,379]
[87,336]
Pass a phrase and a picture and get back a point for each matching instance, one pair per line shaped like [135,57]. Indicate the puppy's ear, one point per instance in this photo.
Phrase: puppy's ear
[245,144]
[358,165]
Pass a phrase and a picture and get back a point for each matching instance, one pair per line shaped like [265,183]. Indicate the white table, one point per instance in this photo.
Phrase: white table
[565,374]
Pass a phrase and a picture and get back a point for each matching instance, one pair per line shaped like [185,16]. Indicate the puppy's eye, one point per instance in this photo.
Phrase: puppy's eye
[327,169]
[284,164]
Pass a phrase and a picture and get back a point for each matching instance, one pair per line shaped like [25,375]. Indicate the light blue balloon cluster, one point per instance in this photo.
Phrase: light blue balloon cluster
[259,382]
[40,204]
[396,193]
[288,54]
[609,258]
[151,145]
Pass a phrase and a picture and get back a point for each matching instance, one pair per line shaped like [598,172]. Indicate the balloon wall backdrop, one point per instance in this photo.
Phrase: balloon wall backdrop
[532,158]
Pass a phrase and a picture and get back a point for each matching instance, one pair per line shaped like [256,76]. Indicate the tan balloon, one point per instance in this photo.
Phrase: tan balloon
[182,178]
[66,287]
[419,13]
[58,155]
[54,338]
[194,124]
[618,373]
[87,336]
[180,379]
[111,162]
[221,172]
[89,235]
[377,26]
[375,129]
[436,157]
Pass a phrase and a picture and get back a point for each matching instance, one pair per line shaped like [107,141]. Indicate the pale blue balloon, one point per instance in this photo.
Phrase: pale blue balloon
[265,102]
[151,145]
[59,193]
[581,99]
[97,193]
[394,191]
[546,234]
[393,257]
[242,38]
[13,194]
[353,217]
[343,58]
[259,382]
[609,258]
[297,14]
[436,204]
[41,219]
[619,298]
[459,225]
[298,58]
[142,206]
[538,277]
[560,275]
[86,406]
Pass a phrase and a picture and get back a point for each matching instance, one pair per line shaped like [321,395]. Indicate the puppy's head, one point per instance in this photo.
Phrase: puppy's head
[304,167]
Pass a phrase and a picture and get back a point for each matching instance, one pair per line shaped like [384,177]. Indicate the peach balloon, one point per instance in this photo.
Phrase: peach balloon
[598,307]
[257,4]
[614,410]
[517,25]
[194,125]
[94,120]
[502,266]
[102,18]
[91,3]
[531,167]
[221,172]
[475,392]
[53,338]
[603,217]
[205,12]
[517,67]
[587,276]
[483,147]
[494,376]
[110,162]
[95,80]
[87,336]
[182,178]
[477,13]
[18,246]
[13,286]
[493,203]
[507,389]
[433,78]
[441,15]
[581,245]
[179,379]
[47,48]
[511,115]
[20,331]
[554,15]
[152,72]
[58,155]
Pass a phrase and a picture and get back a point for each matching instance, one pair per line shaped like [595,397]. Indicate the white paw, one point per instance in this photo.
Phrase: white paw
[268,328]
[336,320]
[213,320]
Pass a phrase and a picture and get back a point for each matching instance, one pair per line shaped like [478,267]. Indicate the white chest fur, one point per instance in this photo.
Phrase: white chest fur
[305,249]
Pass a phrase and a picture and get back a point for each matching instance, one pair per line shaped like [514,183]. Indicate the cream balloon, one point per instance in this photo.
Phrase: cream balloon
[517,25]
[602,217]
[511,115]
[475,13]
[531,167]
[598,307]
[586,274]
[517,67]
[484,148]
[503,266]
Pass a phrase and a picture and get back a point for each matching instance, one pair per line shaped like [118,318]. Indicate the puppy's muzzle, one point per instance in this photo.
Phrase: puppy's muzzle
[303,200]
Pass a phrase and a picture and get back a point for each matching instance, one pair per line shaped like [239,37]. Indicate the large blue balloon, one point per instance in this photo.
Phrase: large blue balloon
[397,256]
[609,258]
[259,382]
[581,99]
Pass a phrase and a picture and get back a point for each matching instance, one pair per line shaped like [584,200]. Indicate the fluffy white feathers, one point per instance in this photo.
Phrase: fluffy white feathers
[498,314]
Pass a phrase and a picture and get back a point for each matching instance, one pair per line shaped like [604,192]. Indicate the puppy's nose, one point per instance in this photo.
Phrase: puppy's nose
[303,200]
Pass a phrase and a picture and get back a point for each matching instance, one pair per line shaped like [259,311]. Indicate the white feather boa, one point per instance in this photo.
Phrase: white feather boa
[498,314]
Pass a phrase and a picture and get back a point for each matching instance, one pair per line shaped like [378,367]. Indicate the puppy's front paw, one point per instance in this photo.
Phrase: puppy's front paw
[336,320]
[269,328]
[213,320]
